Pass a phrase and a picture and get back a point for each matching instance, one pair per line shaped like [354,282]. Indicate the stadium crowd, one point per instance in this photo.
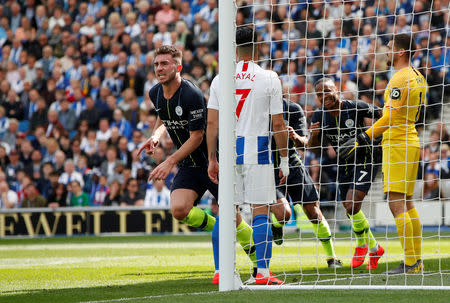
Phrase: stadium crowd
[75,76]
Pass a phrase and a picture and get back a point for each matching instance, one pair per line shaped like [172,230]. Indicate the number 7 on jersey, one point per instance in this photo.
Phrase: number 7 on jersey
[244,94]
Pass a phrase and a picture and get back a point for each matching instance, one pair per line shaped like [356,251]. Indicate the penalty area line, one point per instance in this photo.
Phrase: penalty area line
[151,297]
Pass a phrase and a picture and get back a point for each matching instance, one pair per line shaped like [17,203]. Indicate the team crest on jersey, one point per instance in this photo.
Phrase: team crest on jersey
[395,94]
[178,110]
[349,123]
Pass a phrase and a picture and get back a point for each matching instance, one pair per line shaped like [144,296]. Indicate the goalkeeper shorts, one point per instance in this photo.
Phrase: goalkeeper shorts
[255,184]
[400,167]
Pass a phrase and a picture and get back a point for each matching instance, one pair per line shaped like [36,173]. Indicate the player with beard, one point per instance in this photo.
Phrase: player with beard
[181,110]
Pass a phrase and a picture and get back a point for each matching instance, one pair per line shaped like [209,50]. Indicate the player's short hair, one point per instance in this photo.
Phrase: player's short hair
[406,42]
[245,37]
[321,80]
[169,50]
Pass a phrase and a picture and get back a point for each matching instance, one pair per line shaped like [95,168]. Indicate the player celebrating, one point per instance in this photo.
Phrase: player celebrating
[299,185]
[335,122]
[258,96]
[404,95]
[181,110]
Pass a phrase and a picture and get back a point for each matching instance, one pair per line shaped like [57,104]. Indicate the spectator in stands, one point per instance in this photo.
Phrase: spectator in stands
[132,196]
[51,147]
[8,198]
[35,164]
[100,191]
[67,116]
[134,80]
[109,165]
[91,114]
[12,105]
[12,132]
[32,198]
[114,196]
[79,197]
[122,152]
[165,15]
[121,123]
[14,164]
[39,117]
[70,174]
[158,195]
[54,128]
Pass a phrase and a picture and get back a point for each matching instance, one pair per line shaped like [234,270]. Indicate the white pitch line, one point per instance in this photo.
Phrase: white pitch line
[152,297]
[33,262]
[159,245]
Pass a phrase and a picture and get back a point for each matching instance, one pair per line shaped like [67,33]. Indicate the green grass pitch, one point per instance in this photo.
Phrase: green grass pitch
[180,268]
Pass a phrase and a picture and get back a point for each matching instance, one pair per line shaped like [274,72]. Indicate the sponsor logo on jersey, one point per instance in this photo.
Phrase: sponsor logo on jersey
[342,137]
[349,123]
[395,94]
[175,124]
[196,114]
[178,110]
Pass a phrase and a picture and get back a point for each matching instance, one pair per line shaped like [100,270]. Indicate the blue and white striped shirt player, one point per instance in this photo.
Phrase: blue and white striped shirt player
[258,96]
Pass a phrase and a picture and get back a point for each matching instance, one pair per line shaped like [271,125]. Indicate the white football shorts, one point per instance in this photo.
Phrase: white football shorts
[255,184]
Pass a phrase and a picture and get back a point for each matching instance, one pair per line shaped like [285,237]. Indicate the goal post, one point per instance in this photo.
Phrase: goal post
[227,156]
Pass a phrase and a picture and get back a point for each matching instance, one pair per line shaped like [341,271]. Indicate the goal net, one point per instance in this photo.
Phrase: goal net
[348,43]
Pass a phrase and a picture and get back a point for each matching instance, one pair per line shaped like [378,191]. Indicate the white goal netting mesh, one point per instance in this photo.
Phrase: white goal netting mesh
[348,42]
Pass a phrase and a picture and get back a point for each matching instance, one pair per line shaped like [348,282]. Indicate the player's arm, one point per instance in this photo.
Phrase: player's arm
[314,142]
[379,127]
[212,130]
[397,95]
[158,130]
[300,141]
[278,125]
[212,133]
[191,144]
[281,138]
[297,127]
[280,134]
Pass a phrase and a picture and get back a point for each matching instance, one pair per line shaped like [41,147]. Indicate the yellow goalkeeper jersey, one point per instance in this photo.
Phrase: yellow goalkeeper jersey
[406,91]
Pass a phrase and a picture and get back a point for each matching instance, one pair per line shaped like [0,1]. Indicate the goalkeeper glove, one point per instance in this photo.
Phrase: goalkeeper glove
[347,150]
[284,166]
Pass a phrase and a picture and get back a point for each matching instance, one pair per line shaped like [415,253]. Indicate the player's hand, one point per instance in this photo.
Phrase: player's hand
[315,128]
[284,169]
[347,149]
[213,171]
[149,146]
[162,170]
[291,132]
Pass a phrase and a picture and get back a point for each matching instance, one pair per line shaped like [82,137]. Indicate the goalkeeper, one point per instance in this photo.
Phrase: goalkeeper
[299,185]
[338,121]
[404,95]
